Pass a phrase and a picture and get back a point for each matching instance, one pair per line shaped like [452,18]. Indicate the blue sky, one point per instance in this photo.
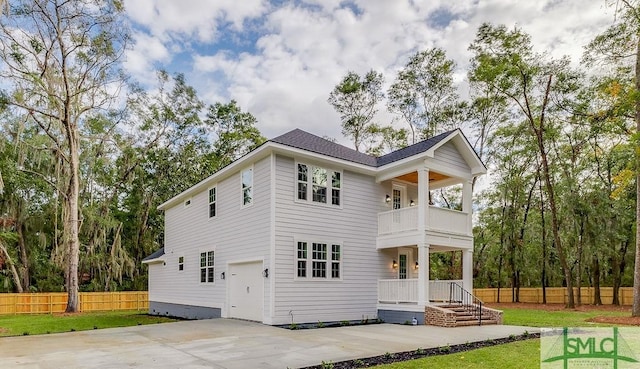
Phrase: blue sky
[280,59]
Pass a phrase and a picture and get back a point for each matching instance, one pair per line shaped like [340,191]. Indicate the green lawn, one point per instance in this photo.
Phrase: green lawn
[522,354]
[515,355]
[561,318]
[18,325]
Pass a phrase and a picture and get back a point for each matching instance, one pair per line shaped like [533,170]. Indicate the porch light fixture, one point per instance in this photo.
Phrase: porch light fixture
[412,203]
[265,273]
[387,199]
[417,265]
[395,264]
[222,276]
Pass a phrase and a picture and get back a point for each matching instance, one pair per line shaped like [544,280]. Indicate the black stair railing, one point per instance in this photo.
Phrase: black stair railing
[466,300]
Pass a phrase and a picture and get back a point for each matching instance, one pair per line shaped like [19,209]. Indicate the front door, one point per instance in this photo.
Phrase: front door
[398,197]
[403,265]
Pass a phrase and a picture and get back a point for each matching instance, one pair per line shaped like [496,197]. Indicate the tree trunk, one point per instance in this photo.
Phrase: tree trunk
[543,275]
[12,267]
[579,261]
[618,266]
[635,309]
[597,300]
[24,256]
[562,255]
[72,223]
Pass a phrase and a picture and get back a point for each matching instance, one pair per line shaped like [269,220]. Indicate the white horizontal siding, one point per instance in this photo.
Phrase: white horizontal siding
[449,156]
[354,226]
[236,233]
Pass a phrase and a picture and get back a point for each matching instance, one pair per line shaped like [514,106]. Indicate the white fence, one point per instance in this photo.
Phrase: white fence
[399,291]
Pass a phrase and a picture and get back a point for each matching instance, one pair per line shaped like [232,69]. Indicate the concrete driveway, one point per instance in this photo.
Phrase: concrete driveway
[226,343]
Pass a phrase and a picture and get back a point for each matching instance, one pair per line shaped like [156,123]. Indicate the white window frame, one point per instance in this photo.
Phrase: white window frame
[309,185]
[251,187]
[209,269]
[214,202]
[310,260]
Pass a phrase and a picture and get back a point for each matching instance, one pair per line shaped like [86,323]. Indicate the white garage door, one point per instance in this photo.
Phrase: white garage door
[246,285]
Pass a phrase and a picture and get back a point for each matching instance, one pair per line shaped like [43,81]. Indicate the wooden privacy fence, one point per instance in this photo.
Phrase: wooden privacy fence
[56,302]
[555,295]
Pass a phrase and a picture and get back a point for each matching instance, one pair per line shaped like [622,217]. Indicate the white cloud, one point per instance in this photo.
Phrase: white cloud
[303,48]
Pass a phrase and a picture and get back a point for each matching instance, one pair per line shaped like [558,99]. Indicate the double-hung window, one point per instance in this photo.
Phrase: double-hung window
[212,202]
[318,260]
[319,185]
[247,186]
[207,269]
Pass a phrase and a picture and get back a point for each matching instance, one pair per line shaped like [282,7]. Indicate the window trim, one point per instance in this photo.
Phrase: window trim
[215,201]
[309,182]
[252,187]
[206,267]
[309,260]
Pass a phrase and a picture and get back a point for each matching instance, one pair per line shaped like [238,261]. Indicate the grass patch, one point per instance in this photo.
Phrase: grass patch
[559,318]
[515,355]
[18,325]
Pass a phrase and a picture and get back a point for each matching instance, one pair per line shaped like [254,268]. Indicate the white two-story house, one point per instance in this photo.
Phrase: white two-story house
[304,230]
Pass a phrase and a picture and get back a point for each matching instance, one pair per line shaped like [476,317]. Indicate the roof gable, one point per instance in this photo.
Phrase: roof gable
[412,150]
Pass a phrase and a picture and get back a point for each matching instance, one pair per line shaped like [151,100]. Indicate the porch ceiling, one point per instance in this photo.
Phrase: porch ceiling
[413,177]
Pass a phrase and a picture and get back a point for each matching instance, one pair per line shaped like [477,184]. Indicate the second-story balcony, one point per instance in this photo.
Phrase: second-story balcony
[439,219]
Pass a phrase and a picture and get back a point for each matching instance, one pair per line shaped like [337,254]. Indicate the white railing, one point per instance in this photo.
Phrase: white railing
[398,290]
[406,290]
[441,290]
[448,220]
[395,221]
[406,220]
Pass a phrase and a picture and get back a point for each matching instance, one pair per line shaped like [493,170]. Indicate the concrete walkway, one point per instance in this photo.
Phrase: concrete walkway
[225,343]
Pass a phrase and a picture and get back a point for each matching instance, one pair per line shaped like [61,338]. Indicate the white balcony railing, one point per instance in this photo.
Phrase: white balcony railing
[396,221]
[447,220]
[398,291]
[406,220]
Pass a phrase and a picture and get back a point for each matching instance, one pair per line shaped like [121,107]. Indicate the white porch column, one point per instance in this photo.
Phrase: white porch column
[423,274]
[467,201]
[467,270]
[423,246]
[423,199]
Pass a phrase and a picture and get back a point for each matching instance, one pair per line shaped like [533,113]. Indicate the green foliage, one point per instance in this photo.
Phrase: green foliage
[424,96]
[355,99]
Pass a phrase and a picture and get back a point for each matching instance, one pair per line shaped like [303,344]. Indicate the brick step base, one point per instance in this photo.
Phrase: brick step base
[468,323]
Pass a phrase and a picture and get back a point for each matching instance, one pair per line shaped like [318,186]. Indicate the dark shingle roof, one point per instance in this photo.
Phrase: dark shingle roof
[155,255]
[306,141]
[414,149]
[309,142]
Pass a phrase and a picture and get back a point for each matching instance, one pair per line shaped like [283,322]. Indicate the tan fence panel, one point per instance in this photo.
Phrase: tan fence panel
[56,302]
[555,295]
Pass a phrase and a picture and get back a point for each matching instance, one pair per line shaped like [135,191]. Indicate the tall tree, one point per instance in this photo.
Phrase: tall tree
[424,96]
[505,62]
[235,130]
[620,46]
[355,98]
[61,60]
